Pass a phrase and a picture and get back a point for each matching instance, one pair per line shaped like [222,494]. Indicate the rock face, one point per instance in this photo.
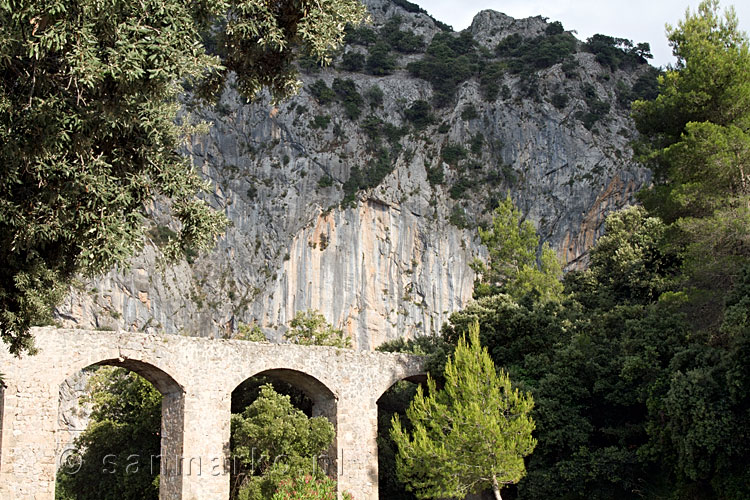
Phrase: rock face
[392,258]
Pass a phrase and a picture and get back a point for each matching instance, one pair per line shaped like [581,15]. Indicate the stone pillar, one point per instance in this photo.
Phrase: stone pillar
[172,425]
[358,447]
[326,407]
[27,457]
[2,407]
[204,463]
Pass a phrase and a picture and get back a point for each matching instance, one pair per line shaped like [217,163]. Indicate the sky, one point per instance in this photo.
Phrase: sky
[637,20]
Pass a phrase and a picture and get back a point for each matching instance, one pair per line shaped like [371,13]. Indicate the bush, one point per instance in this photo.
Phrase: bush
[618,53]
[458,217]
[308,488]
[462,185]
[469,112]
[325,181]
[377,169]
[532,54]
[374,96]
[489,81]
[380,62]
[353,61]
[346,90]
[559,100]
[419,114]
[402,41]
[448,62]
[597,109]
[360,35]
[435,175]
[646,87]
[321,92]
[320,122]
[476,143]
[452,154]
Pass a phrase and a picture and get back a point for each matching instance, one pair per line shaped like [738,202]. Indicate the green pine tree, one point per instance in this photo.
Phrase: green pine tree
[512,266]
[471,435]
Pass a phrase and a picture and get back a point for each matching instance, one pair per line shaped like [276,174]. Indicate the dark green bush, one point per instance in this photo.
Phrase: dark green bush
[360,35]
[380,62]
[374,96]
[469,112]
[325,181]
[419,114]
[646,87]
[399,40]
[559,100]
[377,169]
[353,61]
[570,67]
[618,53]
[320,122]
[597,109]
[490,76]
[448,62]
[452,154]
[476,143]
[463,184]
[458,217]
[435,175]
[532,54]
[321,92]
[346,91]
[554,28]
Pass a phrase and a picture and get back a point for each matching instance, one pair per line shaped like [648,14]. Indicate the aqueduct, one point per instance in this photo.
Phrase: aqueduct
[196,377]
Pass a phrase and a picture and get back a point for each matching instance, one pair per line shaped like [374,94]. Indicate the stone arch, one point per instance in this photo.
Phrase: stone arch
[172,418]
[324,403]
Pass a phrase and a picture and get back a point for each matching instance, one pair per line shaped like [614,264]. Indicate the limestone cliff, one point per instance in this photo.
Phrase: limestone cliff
[386,255]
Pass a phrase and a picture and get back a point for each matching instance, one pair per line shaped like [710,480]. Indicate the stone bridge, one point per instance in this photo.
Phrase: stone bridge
[196,376]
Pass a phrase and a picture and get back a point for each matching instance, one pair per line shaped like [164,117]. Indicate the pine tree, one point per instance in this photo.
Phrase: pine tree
[512,265]
[469,436]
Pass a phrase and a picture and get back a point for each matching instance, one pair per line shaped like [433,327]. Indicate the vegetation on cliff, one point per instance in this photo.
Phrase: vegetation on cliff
[89,129]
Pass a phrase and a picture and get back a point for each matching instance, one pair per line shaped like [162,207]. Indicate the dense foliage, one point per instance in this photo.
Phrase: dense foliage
[117,456]
[273,442]
[471,434]
[308,488]
[88,108]
[513,266]
[311,328]
[638,369]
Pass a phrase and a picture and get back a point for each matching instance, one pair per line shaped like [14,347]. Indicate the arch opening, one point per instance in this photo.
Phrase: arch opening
[310,399]
[120,429]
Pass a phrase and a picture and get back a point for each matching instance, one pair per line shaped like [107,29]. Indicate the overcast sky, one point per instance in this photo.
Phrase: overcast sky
[637,20]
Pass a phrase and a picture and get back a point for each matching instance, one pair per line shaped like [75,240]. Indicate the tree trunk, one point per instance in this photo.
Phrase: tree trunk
[496,489]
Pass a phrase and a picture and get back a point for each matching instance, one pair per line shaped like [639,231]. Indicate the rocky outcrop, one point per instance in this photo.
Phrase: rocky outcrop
[395,260]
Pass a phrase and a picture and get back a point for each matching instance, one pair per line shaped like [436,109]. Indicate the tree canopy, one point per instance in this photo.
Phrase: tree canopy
[512,266]
[471,435]
[116,457]
[89,131]
[273,441]
[311,328]
[696,137]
